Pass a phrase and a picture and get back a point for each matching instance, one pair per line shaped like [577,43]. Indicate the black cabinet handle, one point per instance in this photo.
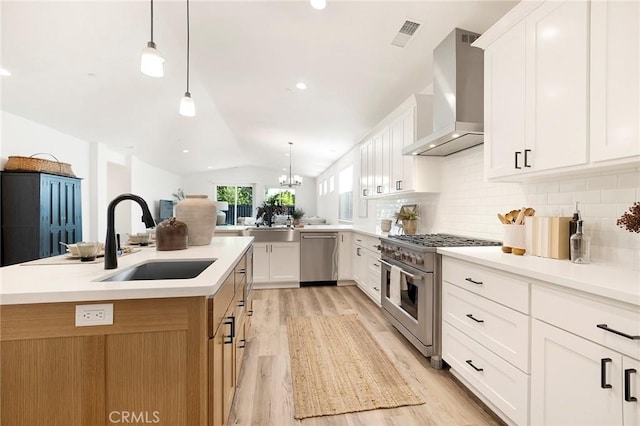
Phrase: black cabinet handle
[627,385]
[243,344]
[475,319]
[364,192]
[472,281]
[619,333]
[358,251]
[470,362]
[603,373]
[379,189]
[241,304]
[516,159]
[250,313]
[376,289]
[399,185]
[232,322]
[526,162]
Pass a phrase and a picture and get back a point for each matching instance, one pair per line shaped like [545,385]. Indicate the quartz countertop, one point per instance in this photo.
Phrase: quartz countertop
[611,281]
[32,282]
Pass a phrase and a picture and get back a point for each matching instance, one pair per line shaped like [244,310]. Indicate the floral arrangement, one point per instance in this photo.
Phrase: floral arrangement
[407,214]
[631,220]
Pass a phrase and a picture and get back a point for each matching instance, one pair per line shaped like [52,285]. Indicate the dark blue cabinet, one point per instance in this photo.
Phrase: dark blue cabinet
[39,211]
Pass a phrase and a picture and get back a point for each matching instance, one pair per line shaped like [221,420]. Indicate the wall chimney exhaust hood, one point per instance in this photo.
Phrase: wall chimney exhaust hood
[458,95]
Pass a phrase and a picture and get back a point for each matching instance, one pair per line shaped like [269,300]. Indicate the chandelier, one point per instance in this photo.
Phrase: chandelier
[291,180]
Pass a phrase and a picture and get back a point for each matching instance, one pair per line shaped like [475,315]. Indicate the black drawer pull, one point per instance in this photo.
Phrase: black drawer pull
[472,281]
[474,367]
[603,373]
[627,385]
[475,319]
[250,313]
[619,333]
[516,159]
[232,322]
[243,344]
[526,160]
[241,304]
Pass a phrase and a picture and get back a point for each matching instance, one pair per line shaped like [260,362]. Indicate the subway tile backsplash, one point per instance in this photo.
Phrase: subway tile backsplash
[468,205]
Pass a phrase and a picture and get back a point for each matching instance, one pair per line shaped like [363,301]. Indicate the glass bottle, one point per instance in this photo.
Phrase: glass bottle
[580,246]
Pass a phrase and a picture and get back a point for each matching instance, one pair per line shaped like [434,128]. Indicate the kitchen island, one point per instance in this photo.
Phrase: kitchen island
[170,356]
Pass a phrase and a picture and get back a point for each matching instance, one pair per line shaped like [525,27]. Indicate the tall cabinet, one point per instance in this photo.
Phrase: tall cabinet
[39,211]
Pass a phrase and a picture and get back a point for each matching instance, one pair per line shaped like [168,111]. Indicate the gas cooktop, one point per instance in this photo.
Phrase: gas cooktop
[443,240]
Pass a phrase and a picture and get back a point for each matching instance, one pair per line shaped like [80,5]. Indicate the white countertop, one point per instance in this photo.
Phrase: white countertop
[29,283]
[612,281]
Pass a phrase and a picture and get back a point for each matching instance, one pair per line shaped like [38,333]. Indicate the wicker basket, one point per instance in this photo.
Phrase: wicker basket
[31,164]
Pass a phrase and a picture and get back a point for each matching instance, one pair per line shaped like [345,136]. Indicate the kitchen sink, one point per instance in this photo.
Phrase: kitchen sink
[272,235]
[162,270]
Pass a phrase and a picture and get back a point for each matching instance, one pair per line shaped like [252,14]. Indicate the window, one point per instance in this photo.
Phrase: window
[240,199]
[320,188]
[282,197]
[345,189]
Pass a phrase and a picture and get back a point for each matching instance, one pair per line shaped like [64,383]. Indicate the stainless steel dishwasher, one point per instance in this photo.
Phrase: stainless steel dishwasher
[318,258]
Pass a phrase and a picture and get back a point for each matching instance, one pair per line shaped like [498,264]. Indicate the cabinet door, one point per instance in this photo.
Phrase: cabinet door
[504,102]
[261,262]
[216,387]
[558,58]
[381,154]
[356,264]
[569,379]
[631,378]
[408,161]
[344,255]
[228,329]
[365,172]
[284,263]
[615,81]
[397,159]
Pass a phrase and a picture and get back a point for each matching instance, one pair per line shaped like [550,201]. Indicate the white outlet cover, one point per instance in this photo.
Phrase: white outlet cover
[95,314]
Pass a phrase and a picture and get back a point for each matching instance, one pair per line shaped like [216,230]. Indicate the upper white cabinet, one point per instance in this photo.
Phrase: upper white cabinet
[383,168]
[615,80]
[536,90]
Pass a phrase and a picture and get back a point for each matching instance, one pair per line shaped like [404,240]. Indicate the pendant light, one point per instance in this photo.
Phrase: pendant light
[291,180]
[187,107]
[152,62]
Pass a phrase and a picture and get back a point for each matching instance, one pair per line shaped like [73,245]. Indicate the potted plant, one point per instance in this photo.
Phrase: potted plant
[297,215]
[409,218]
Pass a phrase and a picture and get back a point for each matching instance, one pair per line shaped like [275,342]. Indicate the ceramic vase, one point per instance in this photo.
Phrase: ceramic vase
[409,226]
[199,213]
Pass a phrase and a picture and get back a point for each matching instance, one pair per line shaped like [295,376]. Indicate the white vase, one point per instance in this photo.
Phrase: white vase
[199,213]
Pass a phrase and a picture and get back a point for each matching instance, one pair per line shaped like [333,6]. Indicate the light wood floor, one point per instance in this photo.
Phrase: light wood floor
[264,395]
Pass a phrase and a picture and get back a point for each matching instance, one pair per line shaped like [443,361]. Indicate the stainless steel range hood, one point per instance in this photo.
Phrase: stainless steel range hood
[458,74]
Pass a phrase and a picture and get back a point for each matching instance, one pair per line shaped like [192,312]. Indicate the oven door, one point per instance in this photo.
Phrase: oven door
[414,316]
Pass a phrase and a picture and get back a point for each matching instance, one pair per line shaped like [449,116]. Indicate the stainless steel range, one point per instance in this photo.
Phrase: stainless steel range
[411,294]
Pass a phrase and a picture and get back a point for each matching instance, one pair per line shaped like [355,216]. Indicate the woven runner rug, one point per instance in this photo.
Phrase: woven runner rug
[337,367]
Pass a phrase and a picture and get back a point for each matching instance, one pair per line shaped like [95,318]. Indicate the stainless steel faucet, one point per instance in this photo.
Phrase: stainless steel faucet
[110,245]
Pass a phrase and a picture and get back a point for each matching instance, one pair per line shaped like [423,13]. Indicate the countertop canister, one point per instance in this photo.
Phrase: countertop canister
[199,213]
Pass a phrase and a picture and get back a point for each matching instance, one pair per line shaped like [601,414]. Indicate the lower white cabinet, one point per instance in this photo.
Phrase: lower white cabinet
[584,360]
[344,256]
[366,266]
[276,262]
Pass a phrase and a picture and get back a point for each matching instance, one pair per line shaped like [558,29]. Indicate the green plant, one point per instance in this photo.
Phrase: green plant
[405,214]
[297,213]
[178,195]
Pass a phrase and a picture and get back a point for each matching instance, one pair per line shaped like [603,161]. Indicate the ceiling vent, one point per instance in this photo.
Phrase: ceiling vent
[407,31]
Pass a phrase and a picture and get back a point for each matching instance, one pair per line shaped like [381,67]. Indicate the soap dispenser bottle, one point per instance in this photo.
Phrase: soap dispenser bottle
[573,225]
[580,246]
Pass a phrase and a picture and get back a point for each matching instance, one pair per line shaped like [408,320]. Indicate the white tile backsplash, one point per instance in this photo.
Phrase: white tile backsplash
[468,205]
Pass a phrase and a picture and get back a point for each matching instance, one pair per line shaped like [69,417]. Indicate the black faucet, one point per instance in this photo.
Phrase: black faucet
[110,245]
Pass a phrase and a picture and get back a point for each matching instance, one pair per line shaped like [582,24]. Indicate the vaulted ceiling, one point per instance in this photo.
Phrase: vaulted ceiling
[76,68]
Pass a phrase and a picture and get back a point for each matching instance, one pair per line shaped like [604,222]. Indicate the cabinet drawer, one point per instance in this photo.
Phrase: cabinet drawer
[581,316]
[505,289]
[502,384]
[220,302]
[366,241]
[498,328]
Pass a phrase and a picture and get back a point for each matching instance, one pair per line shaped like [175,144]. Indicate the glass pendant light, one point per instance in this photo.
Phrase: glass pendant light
[319,4]
[187,106]
[291,180]
[151,61]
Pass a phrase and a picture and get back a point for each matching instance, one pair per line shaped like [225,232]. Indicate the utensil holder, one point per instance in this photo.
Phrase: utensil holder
[514,239]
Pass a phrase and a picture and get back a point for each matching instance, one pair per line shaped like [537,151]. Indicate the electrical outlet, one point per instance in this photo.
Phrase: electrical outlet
[88,315]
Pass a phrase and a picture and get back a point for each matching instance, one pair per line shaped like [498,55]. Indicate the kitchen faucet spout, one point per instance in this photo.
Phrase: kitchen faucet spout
[110,255]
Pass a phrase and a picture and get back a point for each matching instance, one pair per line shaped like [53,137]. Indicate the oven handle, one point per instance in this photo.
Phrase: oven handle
[413,277]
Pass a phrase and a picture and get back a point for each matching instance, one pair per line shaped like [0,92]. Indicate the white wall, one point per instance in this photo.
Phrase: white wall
[261,178]
[22,137]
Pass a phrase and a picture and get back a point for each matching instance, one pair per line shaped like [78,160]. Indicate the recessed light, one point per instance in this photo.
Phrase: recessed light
[185,151]
[4,72]
[455,135]
[319,4]
[301,86]
[287,154]
[414,153]
[209,167]
[433,145]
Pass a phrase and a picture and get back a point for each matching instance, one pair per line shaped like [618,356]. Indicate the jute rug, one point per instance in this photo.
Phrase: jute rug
[337,367]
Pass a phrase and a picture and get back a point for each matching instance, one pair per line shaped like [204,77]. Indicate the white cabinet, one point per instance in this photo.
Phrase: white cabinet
[344,256]
[536,90]
[276,262]
[615,80]
[366,266]
[366,169]
[485,335]
[381,161]
[583,370]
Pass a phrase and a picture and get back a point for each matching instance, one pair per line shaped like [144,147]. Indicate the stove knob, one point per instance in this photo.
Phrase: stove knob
[404,256]
[412,258]
[397,255]
[419,260]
